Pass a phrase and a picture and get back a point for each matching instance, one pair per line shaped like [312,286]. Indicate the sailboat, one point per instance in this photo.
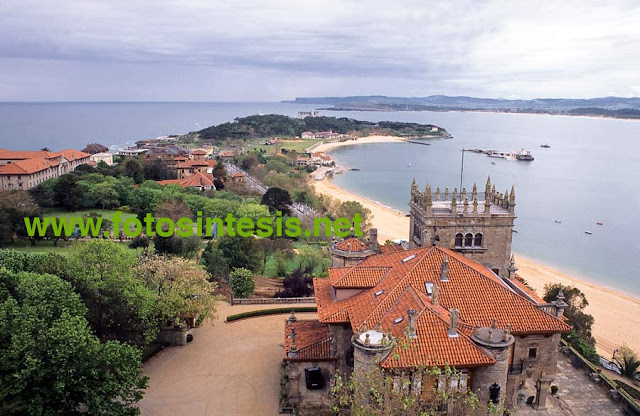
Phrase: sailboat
[409,165]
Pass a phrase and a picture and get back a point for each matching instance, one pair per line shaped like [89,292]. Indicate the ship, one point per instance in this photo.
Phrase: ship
[545,146]
[524,155]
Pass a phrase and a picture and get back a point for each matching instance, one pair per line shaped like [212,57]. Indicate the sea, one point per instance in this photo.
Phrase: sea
[588,175]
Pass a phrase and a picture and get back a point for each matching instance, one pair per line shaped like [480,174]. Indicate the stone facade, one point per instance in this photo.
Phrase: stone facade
[480,225]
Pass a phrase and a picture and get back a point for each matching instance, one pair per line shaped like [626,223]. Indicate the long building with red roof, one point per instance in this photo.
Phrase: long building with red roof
[26,169]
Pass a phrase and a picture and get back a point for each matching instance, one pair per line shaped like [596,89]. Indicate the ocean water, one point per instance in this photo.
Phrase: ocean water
[589,175]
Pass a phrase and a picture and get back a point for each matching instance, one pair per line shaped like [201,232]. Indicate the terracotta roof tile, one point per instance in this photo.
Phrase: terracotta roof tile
[313,340]
[352,244]
[354,277]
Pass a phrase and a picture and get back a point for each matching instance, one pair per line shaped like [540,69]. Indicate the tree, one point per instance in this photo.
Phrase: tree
[120,306]
[107,195]
[214,262]
[187,247]
[182,288]
[14,207]
[277,199]
[133,169]
[314,260]
[297,284]
[173,208]
[381,393]
[44,194]
[51,363]
[349,209]
[68,194]
[241,252]
[241,282]
[627,361]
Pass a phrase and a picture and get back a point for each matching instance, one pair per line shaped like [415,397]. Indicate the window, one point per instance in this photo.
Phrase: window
[477,241]
[494,393]
[458,240]
[429,288]
[533,352]
[468,240]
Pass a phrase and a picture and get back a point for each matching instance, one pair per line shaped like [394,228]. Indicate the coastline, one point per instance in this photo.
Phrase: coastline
[617,315]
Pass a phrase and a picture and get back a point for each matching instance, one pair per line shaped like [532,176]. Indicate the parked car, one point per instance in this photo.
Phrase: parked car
[313,377]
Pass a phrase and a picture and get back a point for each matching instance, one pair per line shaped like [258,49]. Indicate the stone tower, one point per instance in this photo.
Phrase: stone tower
[478,225]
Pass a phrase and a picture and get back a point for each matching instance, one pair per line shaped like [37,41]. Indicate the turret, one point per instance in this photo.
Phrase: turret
[428,199]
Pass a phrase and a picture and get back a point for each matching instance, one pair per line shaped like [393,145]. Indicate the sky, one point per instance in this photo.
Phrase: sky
[269,50]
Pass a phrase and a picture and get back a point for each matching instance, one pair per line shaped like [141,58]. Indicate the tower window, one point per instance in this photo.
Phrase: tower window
[468,240]
[494,393]
[533,352]
[477,241]
[458,240]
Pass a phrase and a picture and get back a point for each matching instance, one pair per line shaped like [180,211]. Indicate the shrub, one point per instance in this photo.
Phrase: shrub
[140,242]
[273,311]
[297,284]
[554,390]
[241,282]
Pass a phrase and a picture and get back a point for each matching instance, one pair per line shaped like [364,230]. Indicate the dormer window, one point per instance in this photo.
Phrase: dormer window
[429,287]
[411,257]
[398,320]
[378,293]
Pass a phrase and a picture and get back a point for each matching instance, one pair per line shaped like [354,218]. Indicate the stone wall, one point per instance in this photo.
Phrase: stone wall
[485,377]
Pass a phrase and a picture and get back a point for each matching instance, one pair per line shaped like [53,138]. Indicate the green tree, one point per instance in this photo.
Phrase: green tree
[241,282]
[133,168]
[107,195]
[51,363]
[627,361]
[277,199]
[215,262]
[120,306]
[14,207]
[183,289]
[349,209]
[241,252]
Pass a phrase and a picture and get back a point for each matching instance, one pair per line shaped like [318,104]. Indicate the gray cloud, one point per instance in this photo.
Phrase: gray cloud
[268,50]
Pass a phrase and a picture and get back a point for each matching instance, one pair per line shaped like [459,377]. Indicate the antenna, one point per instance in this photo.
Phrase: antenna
[461,172]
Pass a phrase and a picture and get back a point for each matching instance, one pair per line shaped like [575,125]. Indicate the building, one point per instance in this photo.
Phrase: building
[102,157]
[352,251]
[166,155]
[304,160]
[428,307]
[197,180]
[238,177]
[321,159]
[305,114]
[129,152]
[479,225]
[190,167]
[227,155]
[26,169]
[93,148]
[307,135]
[198,154]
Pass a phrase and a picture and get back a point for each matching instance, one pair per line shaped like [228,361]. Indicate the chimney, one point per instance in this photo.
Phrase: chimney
[560,304]
[453,326]
[435,295]
[373,239]
[293,349]
[292,317]
[413,317]
[444,270]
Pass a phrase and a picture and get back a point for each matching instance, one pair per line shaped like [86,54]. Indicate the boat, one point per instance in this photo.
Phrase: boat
[493,163]
[588,232]
[558,222]
[524,155]
[545,146]
[599,223]
[498,154]
[409,165]
[356,169]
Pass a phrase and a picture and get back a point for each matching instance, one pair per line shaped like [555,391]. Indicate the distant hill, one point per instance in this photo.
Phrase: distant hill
[262,126]
[618,107]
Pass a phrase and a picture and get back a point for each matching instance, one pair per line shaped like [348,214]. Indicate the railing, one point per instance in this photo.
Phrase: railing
[268,301]
[516,368]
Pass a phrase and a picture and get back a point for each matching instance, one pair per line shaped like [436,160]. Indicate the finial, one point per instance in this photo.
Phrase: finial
[512,195]
[560,295]
[292,317]
[487,187]
[506,196]
[495,323]
[438,194]
[446,194]
[366,339]
[507,333]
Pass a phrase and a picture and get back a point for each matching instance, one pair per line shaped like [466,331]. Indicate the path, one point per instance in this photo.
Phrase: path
[229,369]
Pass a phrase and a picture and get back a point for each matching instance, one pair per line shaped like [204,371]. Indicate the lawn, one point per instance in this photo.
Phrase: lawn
[104,213]
[44,246]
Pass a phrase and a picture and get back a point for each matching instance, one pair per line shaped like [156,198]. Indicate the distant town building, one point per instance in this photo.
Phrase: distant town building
[238,177]
[305,114]
[102,157]
[190,167]
[26,169]
[227,154]
[307,135]
[93,148]
[198,154]
[197,180]
[129,152]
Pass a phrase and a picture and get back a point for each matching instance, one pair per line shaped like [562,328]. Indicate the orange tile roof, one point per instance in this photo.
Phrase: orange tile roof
[238,175]
[198,152]
[196,163]
[27,166]
[25,154]
[351,244]
[198,179]
[391,248]
[71,154]
[313,340]
[478,294]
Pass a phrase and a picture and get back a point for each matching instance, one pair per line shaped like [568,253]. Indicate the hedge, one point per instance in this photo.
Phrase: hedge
[273,311]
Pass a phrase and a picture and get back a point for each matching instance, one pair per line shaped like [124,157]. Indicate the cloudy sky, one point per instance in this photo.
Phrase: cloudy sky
[268,50]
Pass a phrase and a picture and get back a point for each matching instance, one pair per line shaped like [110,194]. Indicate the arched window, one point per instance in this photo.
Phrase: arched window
[459,240]
[477,241]
[468,240]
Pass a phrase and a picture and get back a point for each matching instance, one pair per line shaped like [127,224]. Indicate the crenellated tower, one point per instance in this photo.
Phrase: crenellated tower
[478,225]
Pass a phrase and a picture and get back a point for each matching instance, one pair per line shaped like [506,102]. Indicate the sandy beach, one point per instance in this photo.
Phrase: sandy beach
[325,147]
[617,316]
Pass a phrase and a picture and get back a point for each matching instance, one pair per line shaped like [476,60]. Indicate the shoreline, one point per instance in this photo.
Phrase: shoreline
[617,315]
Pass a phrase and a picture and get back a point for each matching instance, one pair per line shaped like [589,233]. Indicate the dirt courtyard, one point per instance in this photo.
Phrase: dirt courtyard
[228,369]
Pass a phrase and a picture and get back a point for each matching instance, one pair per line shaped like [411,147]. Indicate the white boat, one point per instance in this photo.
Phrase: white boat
[409,165]
[588,232]
[499,154]
[524,155]
[558,222]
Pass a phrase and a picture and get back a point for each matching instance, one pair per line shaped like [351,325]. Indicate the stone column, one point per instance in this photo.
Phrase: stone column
[542,390]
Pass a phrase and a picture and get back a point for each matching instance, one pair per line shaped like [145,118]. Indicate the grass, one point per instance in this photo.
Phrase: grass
[294,263]
[44,246]
[104,213]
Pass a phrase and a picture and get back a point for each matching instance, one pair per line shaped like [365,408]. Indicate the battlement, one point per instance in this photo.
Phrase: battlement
[487,203]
